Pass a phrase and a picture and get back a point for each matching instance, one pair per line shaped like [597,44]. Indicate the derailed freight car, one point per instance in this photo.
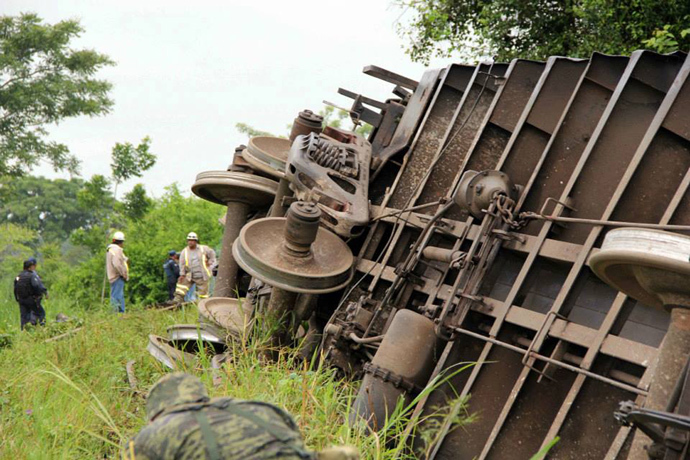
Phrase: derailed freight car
[494,193]
[578,147]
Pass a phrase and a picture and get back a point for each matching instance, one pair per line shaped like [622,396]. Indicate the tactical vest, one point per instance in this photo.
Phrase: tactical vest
[287,435]
[23,288]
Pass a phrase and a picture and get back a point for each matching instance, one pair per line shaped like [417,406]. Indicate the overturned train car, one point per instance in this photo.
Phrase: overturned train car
[490,190]
[446,275]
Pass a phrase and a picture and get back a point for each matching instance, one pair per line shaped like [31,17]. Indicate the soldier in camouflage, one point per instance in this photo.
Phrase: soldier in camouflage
[185,424]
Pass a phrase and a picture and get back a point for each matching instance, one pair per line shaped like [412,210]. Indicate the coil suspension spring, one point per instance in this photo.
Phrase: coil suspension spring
[326,154]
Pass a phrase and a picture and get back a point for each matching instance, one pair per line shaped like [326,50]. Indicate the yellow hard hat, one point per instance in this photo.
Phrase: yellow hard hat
[118,236]
[192,236]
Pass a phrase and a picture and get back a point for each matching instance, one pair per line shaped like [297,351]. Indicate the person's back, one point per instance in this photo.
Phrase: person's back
[185,424]
[28,291]
[172,270]
[228,429]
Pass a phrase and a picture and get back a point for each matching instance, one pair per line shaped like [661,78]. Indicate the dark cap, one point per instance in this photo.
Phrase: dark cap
[172,253]
[29,262]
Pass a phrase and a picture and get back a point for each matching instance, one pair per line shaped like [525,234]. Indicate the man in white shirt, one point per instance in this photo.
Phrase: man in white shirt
[118,271]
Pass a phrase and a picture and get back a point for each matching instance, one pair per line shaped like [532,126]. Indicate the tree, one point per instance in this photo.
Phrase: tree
[129,161]
[43,81]
[335,120]
[16,245]
[509,29]
[250,131]
[47,206]
[136,203]
[95,196]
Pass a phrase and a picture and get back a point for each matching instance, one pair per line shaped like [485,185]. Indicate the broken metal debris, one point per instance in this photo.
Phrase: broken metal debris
[227,318]
[222,321]
[166,352]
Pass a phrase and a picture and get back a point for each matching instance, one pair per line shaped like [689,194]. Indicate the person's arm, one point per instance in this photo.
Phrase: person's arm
[120,264]
[16,297]
[37,285]
[133,451]
[183,263]
[210,257]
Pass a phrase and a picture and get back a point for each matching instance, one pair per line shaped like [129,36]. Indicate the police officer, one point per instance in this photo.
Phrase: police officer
[185,423]
[28,292]
[172,273]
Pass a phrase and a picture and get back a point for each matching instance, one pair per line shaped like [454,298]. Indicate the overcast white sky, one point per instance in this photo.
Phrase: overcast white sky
[188,71]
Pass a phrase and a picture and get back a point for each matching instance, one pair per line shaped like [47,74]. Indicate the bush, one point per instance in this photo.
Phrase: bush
[149,238]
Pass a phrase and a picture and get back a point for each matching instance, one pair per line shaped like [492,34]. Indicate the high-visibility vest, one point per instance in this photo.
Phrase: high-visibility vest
[185,255]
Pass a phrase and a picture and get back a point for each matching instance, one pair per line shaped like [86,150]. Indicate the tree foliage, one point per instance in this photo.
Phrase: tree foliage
[49,207]
[136,203]
[537,29]
[128,161]
[44,80]
[149,239]
[250,131]
[16,244]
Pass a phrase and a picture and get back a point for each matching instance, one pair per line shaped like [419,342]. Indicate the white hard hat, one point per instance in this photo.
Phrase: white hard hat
[192,236]
[119,236]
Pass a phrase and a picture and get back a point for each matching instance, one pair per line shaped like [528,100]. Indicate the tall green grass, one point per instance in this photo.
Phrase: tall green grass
[70,398]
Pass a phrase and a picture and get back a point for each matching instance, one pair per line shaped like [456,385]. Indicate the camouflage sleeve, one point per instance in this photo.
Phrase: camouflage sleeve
[132,451]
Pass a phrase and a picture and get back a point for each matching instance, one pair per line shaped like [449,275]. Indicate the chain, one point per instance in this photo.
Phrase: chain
[385,375]
[506,209]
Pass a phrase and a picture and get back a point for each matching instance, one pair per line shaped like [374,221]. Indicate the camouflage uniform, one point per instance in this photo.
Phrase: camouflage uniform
[185,424]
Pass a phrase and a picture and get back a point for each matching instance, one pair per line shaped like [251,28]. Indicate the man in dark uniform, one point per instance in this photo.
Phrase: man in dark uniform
[28,292]
[172,272]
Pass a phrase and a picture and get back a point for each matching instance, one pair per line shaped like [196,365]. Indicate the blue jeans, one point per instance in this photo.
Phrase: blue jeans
[117,295]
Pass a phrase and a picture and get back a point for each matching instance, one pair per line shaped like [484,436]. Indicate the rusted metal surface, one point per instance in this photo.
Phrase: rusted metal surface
[492,187]
[268,155]
[241,193]
[536,295]
[266,248]
[409,121]
[334,174]
[228,318]
[305,123]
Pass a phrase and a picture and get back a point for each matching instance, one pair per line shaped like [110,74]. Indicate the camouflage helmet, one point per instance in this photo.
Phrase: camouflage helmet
[173,389]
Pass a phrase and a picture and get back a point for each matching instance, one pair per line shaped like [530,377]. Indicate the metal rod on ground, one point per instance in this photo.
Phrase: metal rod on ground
[235,218]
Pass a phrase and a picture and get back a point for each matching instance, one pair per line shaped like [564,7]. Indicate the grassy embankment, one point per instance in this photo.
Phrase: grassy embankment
[70,398]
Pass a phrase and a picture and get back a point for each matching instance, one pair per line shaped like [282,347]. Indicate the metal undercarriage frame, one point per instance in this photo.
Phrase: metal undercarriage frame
[604,139]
